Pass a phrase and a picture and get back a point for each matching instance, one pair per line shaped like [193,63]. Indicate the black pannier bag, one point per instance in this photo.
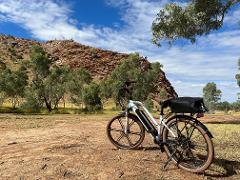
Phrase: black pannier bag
[185,105]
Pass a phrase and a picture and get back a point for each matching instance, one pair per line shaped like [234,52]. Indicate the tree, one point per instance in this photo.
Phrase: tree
[149,103]
[187,21]
[236,106]
[49,82]
[91,97]
[211,95]
[129,69]
[80,78]
[132,69]
[13,83]
[224,106]
[2,98]
[238,76]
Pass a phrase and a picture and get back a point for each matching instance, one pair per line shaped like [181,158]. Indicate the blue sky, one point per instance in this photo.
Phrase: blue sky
[125,26]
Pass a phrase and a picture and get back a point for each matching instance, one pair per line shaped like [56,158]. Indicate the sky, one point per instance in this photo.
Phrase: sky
[125,26]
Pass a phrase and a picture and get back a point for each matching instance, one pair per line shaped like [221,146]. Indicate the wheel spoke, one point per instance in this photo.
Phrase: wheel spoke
[178,131]
[190,133]
[121,123]
[135,133]
[120,137]
[130,124]
[185,126]
[174,129]
[129,141]
[117,130]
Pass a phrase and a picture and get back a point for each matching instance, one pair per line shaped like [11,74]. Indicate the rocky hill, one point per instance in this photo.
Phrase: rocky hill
[100,63]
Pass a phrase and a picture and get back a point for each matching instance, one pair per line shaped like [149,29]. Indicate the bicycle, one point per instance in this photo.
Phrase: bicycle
[187,142]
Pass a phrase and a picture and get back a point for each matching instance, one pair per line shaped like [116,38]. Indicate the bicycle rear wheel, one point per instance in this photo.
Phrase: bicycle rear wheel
[125,140]
[192,149]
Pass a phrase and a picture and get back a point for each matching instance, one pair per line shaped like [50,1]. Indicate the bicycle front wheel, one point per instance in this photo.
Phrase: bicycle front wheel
[190,147]
[118,136]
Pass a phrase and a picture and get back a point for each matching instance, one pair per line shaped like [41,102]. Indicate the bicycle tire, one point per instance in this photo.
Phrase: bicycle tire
[127,145]
[177,157]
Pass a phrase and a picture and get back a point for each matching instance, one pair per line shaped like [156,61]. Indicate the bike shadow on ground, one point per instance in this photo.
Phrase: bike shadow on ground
[223,168]
[220,168]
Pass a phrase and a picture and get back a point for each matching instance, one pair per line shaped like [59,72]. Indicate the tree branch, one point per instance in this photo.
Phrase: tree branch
[229,4]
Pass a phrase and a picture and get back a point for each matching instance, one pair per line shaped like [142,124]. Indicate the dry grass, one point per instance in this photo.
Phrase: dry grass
[227,149]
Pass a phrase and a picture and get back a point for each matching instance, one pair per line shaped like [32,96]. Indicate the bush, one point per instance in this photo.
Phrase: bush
[91,97]
[149,103]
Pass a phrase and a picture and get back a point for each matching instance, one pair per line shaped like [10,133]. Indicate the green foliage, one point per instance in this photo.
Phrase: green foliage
[49,83]
[39,61]
[196,18]
[131,69]
[238,75]
[79,79]
[2,98]
[227,106]
[13,83]
[235,106]
[91,97]
[145,82]
[106,89]
[2,64]
[32,100]
[149,103]
[163,94]
[224,106]
[12,51]
[211,95]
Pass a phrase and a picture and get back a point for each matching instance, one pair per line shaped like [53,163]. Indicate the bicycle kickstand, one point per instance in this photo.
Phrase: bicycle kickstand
[168,160]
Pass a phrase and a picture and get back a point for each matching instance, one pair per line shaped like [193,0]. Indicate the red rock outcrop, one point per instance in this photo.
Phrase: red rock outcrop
[100,63]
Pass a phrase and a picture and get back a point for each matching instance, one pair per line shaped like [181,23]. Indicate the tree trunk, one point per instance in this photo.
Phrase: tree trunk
[48,104]
[64,103]
[14,102]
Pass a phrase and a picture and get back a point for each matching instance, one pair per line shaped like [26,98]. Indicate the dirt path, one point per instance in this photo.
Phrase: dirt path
[79,151]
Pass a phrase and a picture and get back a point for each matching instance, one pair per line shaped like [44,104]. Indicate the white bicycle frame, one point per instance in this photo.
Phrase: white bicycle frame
[134,105]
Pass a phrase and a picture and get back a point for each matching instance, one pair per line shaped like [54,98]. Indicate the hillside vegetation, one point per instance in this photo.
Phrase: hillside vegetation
[43,74]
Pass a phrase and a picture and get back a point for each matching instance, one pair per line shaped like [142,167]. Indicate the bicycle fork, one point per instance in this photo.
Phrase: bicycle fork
[126,129]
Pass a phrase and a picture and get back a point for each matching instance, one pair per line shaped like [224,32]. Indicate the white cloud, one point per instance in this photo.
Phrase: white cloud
[228,38]
[232,18]
[213,58]
[188,88]
[44,19]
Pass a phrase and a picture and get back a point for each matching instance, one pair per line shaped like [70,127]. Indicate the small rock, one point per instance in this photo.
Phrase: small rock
[120,174]
[67,173]
[44,166]
[12,143]
[21,178]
